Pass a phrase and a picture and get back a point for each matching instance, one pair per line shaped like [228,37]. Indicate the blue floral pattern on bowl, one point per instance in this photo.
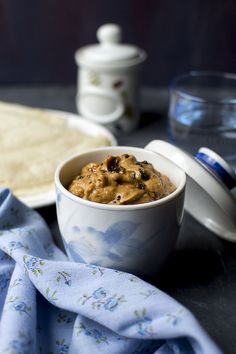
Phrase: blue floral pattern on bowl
[91,245]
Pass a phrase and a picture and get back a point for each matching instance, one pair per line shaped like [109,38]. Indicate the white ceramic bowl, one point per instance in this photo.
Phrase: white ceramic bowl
[134,238]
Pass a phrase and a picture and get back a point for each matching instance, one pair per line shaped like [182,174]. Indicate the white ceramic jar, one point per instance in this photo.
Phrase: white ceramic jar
[108,81]
[138,238]
[135,238]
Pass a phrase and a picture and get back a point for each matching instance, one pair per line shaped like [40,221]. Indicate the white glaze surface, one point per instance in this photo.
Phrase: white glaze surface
[136,238]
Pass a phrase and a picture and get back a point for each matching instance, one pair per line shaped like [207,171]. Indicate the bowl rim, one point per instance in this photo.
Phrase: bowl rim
[112,207]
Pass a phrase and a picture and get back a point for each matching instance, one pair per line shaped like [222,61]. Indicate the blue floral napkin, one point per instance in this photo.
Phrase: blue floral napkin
[49,305]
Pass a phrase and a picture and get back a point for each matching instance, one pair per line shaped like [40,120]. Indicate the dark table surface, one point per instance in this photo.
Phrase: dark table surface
[201,273]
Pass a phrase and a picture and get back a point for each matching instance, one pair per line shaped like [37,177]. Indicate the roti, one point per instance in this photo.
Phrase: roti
[32,143]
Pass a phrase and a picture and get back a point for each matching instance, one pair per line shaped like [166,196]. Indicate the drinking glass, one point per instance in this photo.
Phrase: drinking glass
[202,112]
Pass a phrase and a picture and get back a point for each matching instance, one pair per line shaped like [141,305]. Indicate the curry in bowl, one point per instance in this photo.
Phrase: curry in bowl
[121,180]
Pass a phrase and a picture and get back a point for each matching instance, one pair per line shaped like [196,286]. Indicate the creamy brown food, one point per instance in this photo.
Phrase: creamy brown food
[121,180]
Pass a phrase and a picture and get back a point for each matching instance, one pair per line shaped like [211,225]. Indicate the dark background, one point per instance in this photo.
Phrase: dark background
[38,38]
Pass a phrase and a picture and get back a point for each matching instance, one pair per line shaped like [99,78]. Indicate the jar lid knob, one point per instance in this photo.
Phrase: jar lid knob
[109,33]
[216,164]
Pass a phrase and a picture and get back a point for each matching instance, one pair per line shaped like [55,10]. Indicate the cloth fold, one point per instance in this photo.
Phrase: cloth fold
[51,305]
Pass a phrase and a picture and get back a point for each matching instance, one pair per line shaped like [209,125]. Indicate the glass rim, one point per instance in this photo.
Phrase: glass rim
[201,74]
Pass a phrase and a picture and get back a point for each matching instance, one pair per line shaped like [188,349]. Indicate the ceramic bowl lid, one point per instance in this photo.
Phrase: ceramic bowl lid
[110,51]
[208,198]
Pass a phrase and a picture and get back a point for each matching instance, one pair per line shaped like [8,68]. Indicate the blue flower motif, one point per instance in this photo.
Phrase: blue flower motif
[64,349]
[143,325]
[119,230]
[21,306]
[95,269]
[174,318]
[32,263]
[21,345]
[13,245]
[88,332]
[100,293]
[111,304]
[92,332]
[95,333]
[119,234]
[64,276]
[72,253]
[64,318]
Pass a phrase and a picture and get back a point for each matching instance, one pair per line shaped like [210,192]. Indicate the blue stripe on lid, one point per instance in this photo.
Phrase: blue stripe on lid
[217,169]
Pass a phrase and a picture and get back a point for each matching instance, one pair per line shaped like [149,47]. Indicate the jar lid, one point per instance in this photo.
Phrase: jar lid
[208,198]
[109,52]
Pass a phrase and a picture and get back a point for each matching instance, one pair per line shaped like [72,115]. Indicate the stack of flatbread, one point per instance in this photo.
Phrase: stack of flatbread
[32,143]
